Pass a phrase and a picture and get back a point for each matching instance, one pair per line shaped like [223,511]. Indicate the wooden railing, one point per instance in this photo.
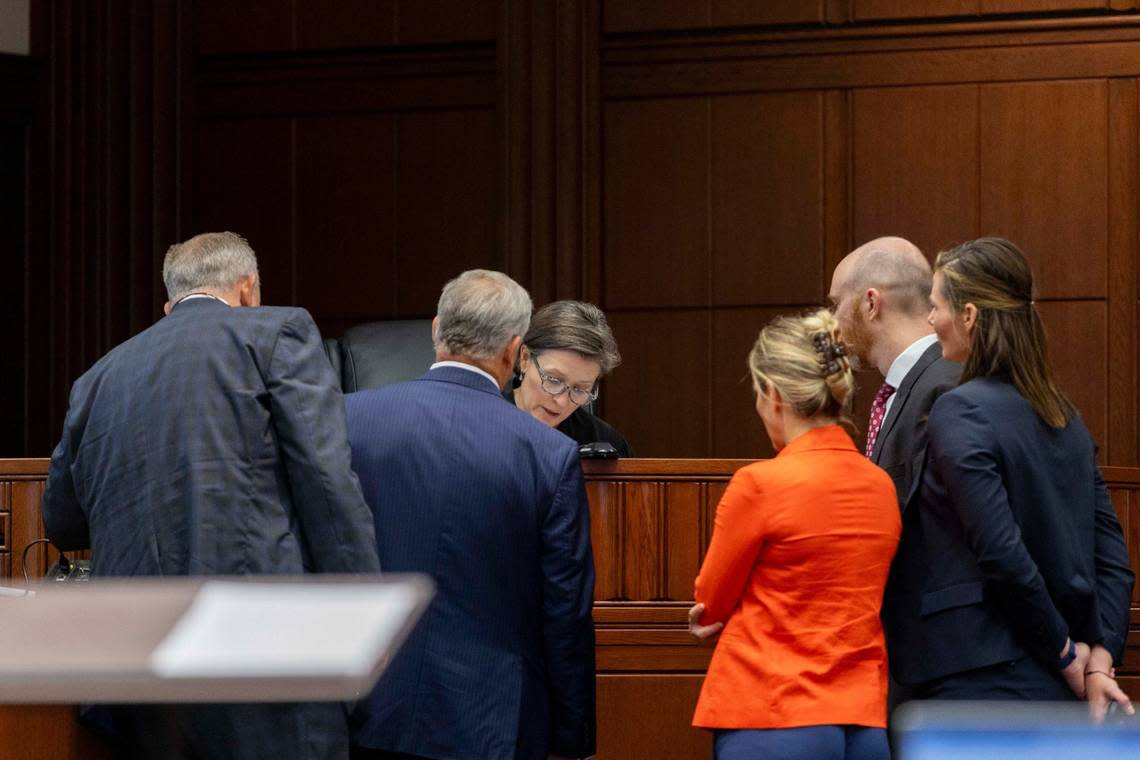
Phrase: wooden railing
[651,522]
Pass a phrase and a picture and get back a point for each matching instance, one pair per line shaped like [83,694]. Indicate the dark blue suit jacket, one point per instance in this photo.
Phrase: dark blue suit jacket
[491,503]
[1012,543]
[214,443]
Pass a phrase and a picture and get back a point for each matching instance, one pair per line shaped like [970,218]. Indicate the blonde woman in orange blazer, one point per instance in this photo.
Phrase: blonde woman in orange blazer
[796,569]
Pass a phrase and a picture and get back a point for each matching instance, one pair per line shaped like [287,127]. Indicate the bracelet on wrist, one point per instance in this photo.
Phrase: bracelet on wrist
[1067,659]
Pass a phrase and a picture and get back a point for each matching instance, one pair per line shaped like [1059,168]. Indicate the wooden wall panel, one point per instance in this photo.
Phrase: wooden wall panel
[656,203]
[445,203]
[436,21]
[243,182]
[683,513]
[626,700]
[1077,334]
[643,544]
[606,538]
[1044,180]
[877,10]
[766,198]
[345,23]
[638,16]
[659,396]
[914,169]
[223,26]
[346,184]
[13,319]
[750,12]
[736,428]
[1030,6]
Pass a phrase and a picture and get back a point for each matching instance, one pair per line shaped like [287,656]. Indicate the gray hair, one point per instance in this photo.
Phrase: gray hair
[907,276]
[479,312]
[574,326]
[209,260]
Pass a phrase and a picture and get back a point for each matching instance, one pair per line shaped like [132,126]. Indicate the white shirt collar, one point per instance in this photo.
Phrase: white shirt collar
[472,368]
[905,361]
[192,296]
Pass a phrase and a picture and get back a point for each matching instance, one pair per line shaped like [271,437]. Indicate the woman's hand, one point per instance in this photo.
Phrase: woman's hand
[1074,672]
[1101,688]
[704,634]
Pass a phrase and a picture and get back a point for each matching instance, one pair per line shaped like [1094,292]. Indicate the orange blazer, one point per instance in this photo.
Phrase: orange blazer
[796,569]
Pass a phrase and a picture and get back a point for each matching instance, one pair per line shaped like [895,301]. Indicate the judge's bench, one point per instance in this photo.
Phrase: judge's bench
[651,521]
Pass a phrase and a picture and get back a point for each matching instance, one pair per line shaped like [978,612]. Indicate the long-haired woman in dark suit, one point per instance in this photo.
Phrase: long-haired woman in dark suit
[1020,576]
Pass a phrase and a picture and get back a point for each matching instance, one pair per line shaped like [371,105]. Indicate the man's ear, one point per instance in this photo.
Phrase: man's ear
[249,294]
[873,302]
[166,307]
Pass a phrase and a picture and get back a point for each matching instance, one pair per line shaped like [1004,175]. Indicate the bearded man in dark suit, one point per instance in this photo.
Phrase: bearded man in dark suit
[214,443]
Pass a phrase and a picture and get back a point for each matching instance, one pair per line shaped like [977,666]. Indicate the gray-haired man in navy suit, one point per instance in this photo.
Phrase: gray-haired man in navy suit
[491,503]
[214,443]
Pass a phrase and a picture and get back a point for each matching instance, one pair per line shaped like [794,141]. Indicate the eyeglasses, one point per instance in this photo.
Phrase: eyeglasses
[556,387]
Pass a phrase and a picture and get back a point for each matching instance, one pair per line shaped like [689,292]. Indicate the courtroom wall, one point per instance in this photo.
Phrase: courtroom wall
[694,167]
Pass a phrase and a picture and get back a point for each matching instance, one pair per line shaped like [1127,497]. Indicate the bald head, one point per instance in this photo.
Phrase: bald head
[892,265]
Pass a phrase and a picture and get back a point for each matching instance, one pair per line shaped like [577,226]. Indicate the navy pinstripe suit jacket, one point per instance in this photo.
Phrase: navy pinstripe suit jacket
[490,503]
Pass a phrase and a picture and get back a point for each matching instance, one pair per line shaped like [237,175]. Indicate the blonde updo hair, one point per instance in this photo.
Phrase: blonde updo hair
[804,359]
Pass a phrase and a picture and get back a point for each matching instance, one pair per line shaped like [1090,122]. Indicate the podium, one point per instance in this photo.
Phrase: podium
[259,639]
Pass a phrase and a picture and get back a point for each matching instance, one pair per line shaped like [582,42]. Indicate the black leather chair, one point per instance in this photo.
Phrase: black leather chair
[381,353]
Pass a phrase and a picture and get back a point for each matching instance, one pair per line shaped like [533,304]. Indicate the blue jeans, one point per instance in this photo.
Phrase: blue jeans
[806,743]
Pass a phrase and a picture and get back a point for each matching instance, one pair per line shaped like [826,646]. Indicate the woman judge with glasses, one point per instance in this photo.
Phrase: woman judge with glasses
[1012,579]
[566,350]
[794,574]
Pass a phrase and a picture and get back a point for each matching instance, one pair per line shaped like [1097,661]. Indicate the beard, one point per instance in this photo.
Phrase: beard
[857,337]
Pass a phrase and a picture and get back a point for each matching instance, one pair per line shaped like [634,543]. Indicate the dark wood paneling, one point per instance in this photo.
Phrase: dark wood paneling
[643,542]
[322,25]
[1077,333]
[915,165]
[767,200]
[346,186]
[606,538]
[638,16]
[244,182]
[223,26]
[656,196]
[1123,271]
[13,314]
[659,396]
[435,21]
[445,203]
[875,10]
[1044,180]
[736,428]
[684,510]
[625,730]
[1030,6]
[752,13]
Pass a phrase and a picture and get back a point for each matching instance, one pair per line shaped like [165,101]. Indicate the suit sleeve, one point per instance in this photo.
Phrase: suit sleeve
[1114,577]
[736,542]
[568,625]
[308,416]
[960,445]
[65,523]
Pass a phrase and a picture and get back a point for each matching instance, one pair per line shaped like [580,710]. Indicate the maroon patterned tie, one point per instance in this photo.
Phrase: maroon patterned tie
[878,411]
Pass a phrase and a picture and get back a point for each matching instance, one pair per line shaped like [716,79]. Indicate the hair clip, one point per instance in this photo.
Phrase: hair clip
[832,351]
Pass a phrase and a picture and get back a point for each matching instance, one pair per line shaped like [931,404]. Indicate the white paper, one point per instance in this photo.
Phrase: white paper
[283,630]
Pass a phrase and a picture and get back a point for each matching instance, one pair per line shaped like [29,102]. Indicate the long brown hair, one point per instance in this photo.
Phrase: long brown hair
[1008,338]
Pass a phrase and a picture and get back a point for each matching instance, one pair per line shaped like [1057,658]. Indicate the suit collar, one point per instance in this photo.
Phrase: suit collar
[932,354]
[451,374]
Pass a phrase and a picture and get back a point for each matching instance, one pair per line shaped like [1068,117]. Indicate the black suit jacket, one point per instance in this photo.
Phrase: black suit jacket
[1011,543]
[492,504]
[901,442]
[214,443]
